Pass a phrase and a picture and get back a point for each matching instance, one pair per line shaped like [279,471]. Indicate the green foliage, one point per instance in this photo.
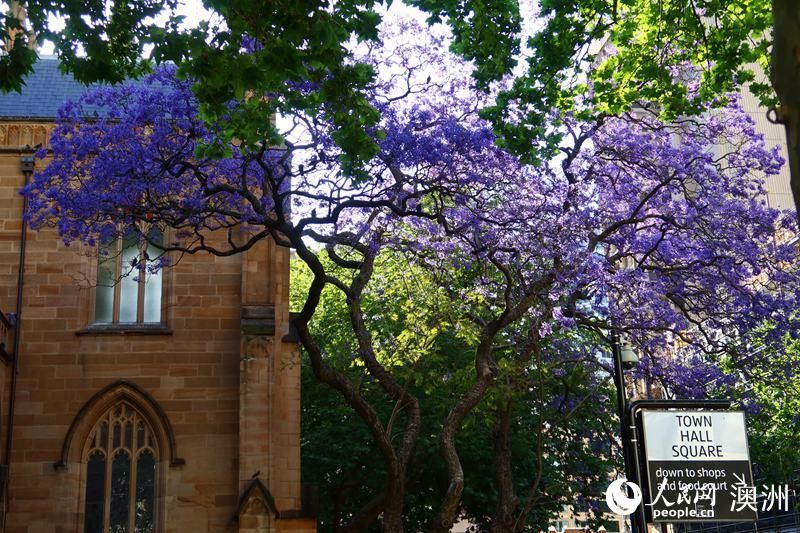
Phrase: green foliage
[587,57]
[422,335]
[484,32]
[602,57]
[99,42]
[418,337]
[770,391]
[300,61]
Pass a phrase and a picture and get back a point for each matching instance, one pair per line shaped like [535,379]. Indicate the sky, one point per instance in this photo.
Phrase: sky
[193,10]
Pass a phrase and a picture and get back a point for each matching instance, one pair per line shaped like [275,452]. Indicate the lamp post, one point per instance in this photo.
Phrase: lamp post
[624,357]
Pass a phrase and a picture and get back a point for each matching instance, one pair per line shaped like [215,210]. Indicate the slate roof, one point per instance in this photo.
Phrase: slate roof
[45,90]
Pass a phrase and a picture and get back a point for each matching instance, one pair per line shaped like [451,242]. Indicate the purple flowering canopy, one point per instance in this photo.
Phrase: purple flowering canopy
[658,230]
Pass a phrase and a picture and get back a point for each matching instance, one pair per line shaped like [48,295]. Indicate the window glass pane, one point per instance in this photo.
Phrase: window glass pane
[129,435]
[114,503]
[104,436]
[152,290]
[120,492]
[127,269]
[128,285]
[157,236]
[95,493]
[104,293]
[145,492]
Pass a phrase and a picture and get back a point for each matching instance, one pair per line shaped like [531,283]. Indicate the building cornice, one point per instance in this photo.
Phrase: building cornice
[24,135]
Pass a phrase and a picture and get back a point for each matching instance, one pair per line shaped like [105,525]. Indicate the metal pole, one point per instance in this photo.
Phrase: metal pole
[636,469]
[622,408]
[619,382]
[28,164]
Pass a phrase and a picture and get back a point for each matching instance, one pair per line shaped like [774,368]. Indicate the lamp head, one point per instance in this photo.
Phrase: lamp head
[629,357]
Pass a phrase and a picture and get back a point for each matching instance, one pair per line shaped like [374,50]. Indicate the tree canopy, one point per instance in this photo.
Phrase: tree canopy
[656,229]
[584,56]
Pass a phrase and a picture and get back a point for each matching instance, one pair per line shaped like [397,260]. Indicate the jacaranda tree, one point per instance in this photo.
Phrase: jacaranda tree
[558,431]
[655,229]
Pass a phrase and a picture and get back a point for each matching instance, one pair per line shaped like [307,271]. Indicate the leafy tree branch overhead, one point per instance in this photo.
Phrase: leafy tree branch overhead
[583,56]
[627,229]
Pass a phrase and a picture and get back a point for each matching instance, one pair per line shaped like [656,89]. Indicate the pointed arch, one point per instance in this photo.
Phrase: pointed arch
[101,402]
[256,496]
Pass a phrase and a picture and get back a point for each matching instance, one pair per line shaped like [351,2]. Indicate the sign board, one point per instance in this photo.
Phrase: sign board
[698,466]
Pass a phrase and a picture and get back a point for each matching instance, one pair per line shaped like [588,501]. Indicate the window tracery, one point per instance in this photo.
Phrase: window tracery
[121,468]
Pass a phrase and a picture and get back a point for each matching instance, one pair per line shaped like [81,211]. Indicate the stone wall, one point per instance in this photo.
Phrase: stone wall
[232,398]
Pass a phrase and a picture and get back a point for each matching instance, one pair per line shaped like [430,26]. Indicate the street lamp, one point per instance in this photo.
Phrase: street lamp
[624,357]
[628,357]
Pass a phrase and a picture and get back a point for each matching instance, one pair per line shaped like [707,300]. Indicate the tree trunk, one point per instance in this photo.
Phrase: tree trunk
[451,502]
[396,471]
[393,513]
[392,504]
[785,78]
[503,519]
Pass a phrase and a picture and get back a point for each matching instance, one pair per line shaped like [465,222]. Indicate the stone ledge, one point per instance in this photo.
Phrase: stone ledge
[125,329]
[258,320]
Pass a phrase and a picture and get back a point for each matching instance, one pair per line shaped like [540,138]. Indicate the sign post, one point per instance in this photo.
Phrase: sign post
[698,466]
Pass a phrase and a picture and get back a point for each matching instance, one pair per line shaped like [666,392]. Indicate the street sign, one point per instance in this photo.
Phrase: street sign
[698,466]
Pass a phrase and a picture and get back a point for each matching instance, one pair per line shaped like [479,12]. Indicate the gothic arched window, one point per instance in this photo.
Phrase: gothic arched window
[121,467]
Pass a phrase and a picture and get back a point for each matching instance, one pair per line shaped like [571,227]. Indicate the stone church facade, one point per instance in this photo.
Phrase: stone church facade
[166,404]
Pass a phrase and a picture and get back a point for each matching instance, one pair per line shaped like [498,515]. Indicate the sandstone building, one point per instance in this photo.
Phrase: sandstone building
[171,405]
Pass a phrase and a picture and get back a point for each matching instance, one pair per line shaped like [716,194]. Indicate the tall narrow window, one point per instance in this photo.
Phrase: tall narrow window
[121,474]
[126,292]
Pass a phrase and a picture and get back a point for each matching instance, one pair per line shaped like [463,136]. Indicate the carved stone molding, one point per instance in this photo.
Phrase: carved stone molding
[110,394]
[25,134]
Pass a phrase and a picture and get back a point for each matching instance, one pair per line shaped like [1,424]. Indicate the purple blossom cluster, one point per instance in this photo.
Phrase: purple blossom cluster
[659,230]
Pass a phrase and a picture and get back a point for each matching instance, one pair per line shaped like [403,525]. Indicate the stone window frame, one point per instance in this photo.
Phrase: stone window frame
[100,402]
[76,444]
[115,327]
[121,274]
[122,431]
